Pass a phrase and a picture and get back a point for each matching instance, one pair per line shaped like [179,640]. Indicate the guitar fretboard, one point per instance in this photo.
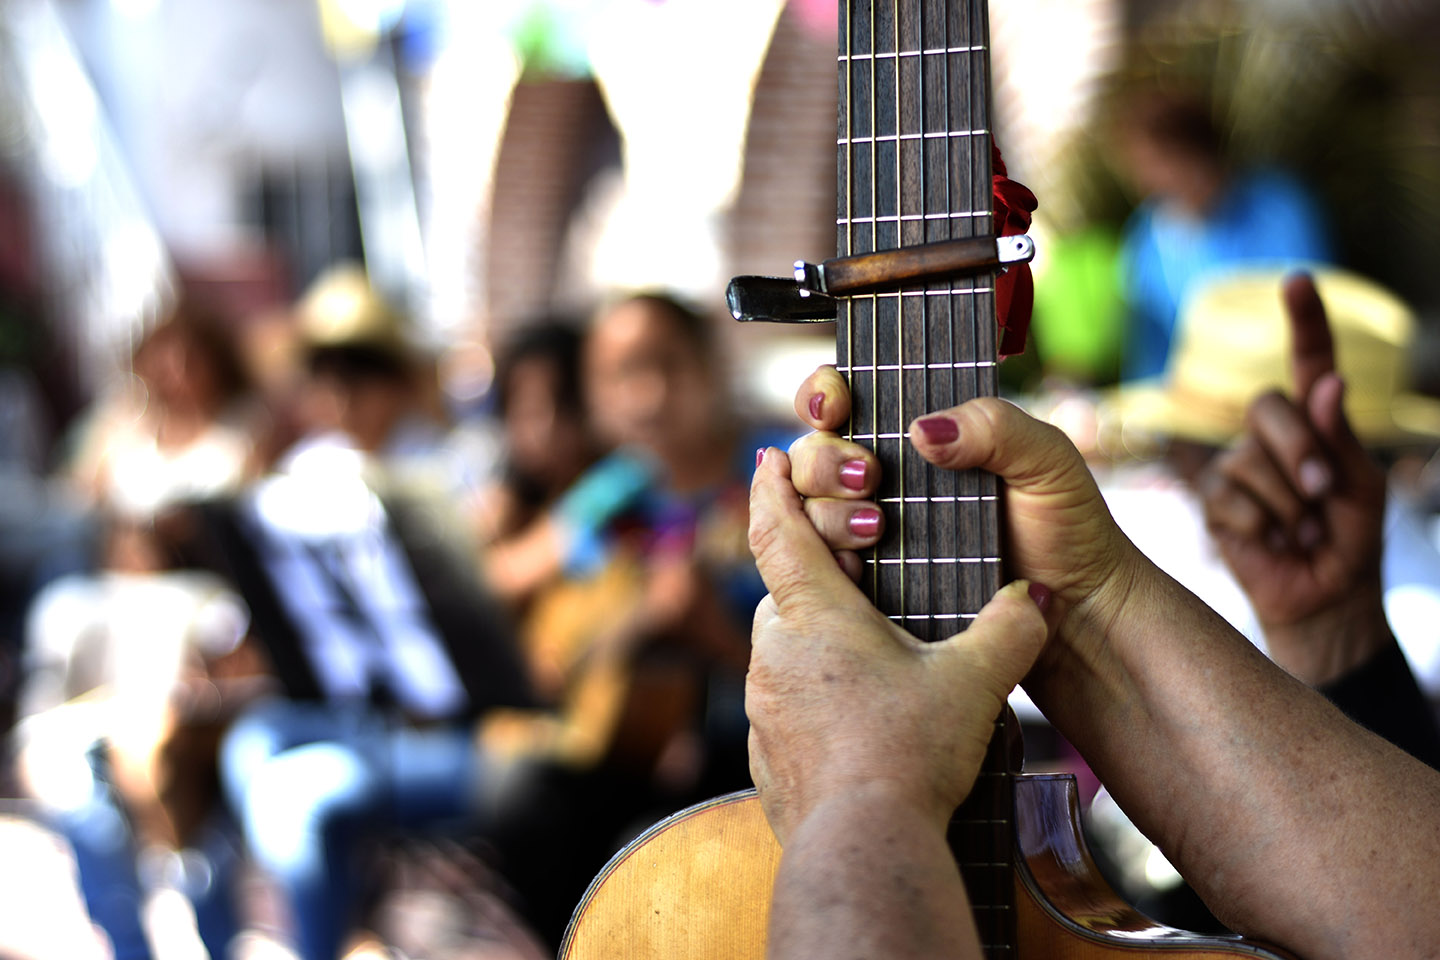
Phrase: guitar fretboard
[913,166]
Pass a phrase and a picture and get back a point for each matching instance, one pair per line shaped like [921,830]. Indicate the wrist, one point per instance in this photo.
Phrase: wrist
[1325,645]
[880,801]
[1091,627]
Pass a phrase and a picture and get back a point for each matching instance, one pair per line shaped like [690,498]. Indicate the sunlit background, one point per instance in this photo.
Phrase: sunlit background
[491,161]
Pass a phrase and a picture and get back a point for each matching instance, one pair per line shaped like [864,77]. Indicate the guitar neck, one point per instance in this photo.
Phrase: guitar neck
[913,166]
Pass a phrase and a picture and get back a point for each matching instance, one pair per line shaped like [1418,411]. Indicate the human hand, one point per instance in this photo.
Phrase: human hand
[1059,531]
[1297,509]
[841,699]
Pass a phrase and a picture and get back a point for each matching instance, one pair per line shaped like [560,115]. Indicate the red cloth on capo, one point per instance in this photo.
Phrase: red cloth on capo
[1015,288]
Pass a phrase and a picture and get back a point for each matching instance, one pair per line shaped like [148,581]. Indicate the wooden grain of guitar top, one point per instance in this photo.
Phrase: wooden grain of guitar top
[682,891]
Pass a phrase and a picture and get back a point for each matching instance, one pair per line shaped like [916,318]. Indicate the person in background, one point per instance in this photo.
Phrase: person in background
[641,590]
[657,392]
[1233,349]
[1297,508]
[119,664]
[658,525]
[548,441]
[385,646]
[1198,217]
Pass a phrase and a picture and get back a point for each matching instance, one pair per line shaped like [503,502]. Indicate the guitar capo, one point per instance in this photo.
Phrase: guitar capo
[810,297]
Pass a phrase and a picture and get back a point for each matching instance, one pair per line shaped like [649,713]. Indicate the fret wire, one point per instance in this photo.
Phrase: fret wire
[926,561]
[896,367]
[899,218]
[900,618]
[897,137]
[911,53]
[952,292]
[957,499]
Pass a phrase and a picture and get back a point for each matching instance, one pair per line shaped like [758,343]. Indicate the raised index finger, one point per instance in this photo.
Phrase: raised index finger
[1312,350]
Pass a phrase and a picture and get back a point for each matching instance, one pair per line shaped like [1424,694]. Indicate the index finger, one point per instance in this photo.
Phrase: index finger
[1312,350]
[795,563]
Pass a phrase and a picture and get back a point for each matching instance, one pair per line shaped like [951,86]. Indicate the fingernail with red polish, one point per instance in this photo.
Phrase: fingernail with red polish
[1041,595]
[759,456]
[817,403]
[938,429]
[865,523]
[852,475]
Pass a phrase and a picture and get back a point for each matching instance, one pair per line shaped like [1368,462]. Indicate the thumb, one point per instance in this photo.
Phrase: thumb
[1003,641]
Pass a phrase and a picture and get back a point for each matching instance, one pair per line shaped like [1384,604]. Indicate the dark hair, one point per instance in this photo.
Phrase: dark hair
[1174,121]
[214,339]
[353,363]
[552,340]
[692,325]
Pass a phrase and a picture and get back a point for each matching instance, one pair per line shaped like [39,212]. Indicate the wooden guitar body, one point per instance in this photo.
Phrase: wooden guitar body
[697,885]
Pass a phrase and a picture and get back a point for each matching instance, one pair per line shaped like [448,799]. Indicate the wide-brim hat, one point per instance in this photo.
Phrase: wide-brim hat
[1232,343]
[341,310]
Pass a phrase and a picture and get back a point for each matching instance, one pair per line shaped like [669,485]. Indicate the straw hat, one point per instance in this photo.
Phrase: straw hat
[1232,344]
[341,310]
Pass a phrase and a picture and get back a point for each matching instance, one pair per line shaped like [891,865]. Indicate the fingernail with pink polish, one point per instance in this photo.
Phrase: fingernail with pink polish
[865,522]
[852,475]
[759,456]
[1041,595]
[938,430]
[817,404]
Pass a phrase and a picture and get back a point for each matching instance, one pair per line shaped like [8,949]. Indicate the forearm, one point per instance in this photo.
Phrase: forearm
[1260,793]
[1382,696]
[516,567]
[866,875]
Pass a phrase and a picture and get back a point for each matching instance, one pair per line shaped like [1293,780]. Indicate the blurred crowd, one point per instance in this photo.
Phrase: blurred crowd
[305,613]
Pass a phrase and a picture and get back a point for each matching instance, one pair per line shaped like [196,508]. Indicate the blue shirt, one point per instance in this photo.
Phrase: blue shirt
[1264,217]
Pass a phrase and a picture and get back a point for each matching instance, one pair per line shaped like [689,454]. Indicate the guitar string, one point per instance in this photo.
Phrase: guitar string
[987,514]
[847,27]
[874,243]
[975,316]
[950,230]
[902,458]
[968,314]
[923,146]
